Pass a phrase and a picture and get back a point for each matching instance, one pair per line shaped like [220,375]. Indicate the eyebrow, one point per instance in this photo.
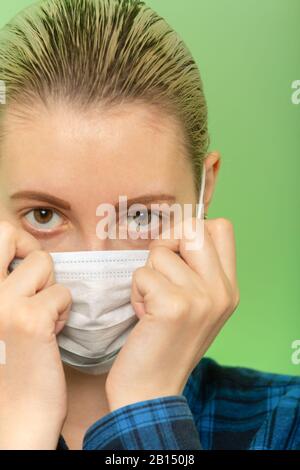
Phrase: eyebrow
[147,198]
[40,196]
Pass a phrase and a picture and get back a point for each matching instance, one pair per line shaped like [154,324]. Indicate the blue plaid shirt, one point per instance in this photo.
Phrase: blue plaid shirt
[221,407]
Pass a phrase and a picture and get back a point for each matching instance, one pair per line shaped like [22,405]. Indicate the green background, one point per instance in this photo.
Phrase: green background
[248,52]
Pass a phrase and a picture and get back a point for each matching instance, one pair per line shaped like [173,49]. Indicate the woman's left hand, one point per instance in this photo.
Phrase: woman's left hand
[182,302]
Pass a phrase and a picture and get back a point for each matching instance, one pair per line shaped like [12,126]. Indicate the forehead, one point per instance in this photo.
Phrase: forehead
[130,143]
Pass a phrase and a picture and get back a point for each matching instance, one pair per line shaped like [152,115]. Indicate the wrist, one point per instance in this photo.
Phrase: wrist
[29,432]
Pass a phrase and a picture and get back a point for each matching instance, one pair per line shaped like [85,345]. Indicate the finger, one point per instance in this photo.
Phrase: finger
[172,266]
[203,258]
[145,283]
[35,272]
[222,234]
[14,243]
[57,300]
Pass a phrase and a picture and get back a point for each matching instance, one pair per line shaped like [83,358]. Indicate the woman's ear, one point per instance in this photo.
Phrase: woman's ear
[212,166]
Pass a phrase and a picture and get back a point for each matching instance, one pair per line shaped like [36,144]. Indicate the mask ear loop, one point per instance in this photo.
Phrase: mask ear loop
[200,210]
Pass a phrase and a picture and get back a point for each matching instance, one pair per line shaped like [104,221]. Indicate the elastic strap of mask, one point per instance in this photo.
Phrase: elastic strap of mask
[200,210]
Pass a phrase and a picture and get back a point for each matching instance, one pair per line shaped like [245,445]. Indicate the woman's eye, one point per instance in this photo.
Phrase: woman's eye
[143,221]
[41,218]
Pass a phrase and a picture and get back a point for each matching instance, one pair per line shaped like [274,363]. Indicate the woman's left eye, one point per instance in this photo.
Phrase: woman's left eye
[142,220]
[43,219]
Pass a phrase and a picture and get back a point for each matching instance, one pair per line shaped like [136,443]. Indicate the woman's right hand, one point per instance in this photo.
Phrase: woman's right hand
[33,309]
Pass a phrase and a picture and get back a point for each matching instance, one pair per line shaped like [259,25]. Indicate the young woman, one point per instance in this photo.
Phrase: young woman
[103,99]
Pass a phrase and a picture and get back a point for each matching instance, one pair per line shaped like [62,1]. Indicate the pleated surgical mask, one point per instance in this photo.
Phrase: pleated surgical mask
[101,315]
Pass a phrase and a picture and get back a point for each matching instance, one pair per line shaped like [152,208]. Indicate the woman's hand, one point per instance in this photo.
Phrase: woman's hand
[33,309]
[182,302]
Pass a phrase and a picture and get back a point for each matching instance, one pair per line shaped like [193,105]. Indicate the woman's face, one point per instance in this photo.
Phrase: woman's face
[59,165]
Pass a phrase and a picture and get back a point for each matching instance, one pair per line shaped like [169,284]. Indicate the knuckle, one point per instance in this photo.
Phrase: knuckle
[225,308]
[139,273]
[65,292]
[179,306]
[43,257]
[224,292]
[222,223]
[228,301]
[157,252]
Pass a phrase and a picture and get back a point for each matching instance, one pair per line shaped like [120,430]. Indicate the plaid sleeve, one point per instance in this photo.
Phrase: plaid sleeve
[155,424]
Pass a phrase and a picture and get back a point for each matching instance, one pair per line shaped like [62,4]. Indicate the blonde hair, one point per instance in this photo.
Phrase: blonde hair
[106,52]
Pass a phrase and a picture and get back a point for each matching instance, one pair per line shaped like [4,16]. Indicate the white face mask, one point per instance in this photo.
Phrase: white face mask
[101,315]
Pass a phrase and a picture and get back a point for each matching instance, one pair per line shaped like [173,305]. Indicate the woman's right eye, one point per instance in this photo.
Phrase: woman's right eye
[43,219]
